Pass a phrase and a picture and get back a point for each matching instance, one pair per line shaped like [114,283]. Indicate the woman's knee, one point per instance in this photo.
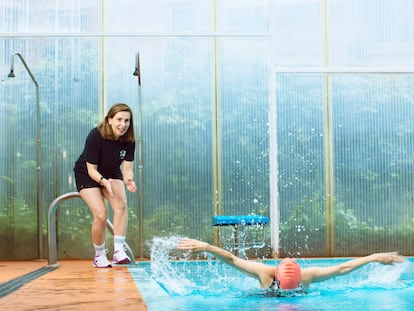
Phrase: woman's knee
[119,206]
[95,201]
[100,217]
[118,202]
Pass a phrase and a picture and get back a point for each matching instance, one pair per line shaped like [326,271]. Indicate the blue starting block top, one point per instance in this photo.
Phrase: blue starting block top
[239,219]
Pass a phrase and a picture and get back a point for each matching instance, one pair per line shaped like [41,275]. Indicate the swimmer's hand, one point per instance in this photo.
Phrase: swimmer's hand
[387,258]
[192,245]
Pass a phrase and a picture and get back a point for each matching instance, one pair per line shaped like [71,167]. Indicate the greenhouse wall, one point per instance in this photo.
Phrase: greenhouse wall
[299,110]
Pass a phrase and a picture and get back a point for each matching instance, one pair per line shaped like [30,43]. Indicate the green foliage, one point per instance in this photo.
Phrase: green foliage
[372,144]
[17,225]
[303,233]
[302,237]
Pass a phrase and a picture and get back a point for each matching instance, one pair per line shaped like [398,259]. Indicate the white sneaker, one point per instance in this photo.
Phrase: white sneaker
[101,262]
[120,258]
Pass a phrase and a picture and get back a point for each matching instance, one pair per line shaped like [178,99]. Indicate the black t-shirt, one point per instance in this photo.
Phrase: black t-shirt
[106,154]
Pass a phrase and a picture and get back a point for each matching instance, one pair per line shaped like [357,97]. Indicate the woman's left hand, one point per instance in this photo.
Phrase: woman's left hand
[192,245]
[130,184]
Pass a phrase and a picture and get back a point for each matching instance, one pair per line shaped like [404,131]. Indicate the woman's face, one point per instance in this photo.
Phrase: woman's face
[120,123]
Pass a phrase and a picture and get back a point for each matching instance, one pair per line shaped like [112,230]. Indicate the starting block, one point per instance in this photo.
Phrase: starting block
[239,223]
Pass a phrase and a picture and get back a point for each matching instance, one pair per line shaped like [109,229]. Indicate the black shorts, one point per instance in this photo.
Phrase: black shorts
[83,180]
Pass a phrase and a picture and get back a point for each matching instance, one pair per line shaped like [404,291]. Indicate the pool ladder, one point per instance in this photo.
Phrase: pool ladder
[51,232]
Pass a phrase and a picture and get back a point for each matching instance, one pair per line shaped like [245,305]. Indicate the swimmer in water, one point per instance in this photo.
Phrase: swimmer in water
[287,275]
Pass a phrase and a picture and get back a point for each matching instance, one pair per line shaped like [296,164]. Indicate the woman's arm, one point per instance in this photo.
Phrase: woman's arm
[264,273]
[128,175]
[96,176]
[317,274]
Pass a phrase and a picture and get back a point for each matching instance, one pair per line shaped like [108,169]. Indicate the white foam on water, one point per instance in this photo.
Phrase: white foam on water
[180,273]
[387,274]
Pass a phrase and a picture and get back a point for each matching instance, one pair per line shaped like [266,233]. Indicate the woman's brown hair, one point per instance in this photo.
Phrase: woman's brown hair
[105,128]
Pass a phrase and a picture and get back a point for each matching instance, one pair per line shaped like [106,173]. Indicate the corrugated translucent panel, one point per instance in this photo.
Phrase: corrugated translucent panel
[242,16]
[155,16]
[242,144]
[68,106]
[18,207]
[243,120]
[49,16]
[66,73]
[185,80]
[374,146]
[300,154]
[381,32]
[73,112]
[176,132]
[296,28]
[178,94]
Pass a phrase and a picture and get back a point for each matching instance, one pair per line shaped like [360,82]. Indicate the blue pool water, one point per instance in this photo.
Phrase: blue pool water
[167,284]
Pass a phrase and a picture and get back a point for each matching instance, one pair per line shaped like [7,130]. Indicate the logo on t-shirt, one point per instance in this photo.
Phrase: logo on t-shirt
[122,154]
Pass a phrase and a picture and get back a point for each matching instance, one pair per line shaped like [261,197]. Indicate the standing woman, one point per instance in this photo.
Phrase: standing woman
[101,171]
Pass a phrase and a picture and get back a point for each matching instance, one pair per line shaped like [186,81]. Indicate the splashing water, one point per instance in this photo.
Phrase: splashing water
[387,274]
[163,269]
[179,275]
[373,275]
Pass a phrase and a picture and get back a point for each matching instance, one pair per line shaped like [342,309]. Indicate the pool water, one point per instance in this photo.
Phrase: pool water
[211,285]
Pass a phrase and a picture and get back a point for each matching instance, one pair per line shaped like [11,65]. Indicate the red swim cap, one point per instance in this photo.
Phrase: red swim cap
[288,274]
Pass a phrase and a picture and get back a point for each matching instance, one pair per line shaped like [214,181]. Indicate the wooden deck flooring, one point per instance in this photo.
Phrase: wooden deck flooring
[73,285]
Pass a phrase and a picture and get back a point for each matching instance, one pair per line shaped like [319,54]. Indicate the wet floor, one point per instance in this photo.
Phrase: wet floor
[73,285]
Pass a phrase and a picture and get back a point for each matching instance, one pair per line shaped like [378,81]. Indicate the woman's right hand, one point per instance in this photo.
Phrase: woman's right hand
[107,185]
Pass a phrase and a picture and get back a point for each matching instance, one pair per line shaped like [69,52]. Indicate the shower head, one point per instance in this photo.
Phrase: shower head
[137,71]
[11,74]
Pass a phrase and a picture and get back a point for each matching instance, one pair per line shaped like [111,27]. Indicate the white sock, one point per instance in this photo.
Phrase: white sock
[100,249]
[119,241]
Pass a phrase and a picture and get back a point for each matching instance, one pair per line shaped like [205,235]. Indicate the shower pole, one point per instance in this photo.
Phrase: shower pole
[328,136]
[38,152]
[137,73]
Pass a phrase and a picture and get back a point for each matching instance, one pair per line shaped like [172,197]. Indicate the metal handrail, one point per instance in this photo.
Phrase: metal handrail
[51,233]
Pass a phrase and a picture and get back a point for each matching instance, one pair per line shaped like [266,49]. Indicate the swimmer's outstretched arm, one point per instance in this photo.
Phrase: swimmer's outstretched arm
[263,273]
[318,274]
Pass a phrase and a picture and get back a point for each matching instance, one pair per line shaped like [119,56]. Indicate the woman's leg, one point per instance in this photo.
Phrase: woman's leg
[118,203]
[94,199]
